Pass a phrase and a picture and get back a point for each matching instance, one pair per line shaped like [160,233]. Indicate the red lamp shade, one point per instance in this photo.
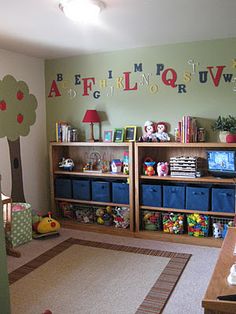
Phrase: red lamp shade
[91,116]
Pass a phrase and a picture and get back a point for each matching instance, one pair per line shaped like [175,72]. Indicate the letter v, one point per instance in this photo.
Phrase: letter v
[216,79]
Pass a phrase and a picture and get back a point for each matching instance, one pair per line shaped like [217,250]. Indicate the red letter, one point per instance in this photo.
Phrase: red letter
[54,89]
[170,81]
[87,85]
[216,79]
[127,81]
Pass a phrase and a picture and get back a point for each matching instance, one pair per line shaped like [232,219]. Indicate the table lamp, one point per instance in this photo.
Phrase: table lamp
[91,116]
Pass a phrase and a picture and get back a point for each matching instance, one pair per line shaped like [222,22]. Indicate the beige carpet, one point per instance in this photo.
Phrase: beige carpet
[79,276]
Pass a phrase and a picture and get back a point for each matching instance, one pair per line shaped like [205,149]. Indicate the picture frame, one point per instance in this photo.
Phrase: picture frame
[118,135]
[108,136]
[130,133]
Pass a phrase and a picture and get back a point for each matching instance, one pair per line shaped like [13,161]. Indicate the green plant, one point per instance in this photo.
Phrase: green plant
[225,124]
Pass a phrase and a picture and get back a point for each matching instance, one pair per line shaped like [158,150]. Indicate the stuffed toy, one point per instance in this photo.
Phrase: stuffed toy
[161,133]
[162,169]
[149,132]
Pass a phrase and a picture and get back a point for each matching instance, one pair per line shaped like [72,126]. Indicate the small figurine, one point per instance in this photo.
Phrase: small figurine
[217,232]
[66,164]
[161,133]
[149,133]
[162,169]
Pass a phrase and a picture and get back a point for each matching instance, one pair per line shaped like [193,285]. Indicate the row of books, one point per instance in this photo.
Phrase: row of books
[65,132]
[187,130]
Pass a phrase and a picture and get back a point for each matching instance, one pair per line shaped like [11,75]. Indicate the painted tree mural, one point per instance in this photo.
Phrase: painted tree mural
[17,114]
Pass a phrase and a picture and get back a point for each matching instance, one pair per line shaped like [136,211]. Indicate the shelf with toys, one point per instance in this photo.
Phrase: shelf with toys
[92,185]
[162,198]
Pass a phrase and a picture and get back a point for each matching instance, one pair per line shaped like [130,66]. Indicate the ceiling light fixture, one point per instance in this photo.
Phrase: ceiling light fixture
[81,10]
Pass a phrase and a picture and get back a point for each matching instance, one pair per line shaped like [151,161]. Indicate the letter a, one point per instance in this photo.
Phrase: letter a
[54,89]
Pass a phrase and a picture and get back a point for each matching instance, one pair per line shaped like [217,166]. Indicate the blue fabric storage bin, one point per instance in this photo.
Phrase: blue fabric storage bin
[120,193]
[223,200]
[197,198]
[81,189]
[63,188]
[101,191]
[151,195]
[174,196]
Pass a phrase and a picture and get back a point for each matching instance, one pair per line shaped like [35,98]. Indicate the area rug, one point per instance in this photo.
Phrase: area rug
[79,276]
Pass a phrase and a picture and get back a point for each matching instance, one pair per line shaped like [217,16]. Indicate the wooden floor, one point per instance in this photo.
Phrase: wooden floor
[151,235]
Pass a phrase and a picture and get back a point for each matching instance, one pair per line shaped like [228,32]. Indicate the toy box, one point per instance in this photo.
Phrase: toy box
[220,226]
[81,189]
[151,195]
[120,193]
[104,215]
[151,220]
[63,188]
[174,196]
[197,198]
[223,200]
[101,191]
[21,224]
[198,225]
[173,223]
[84,214]
[121,216]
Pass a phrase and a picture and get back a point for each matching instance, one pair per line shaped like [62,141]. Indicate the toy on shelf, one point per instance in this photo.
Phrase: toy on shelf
[162,169]
[220,226]
[149,132]
[173,223]
[84,214]
[66,164]
[161,133]
[148,165]
[116,165]
[126,163]
[151,220]
[94,164]
[46,226]
[217,230]
[121,217]
[104,216]
[198,225]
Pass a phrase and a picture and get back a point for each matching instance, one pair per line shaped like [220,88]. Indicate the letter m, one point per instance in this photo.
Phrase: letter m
[138,67]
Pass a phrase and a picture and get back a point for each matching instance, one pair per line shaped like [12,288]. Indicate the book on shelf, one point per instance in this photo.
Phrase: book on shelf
[187,129]
[63,132]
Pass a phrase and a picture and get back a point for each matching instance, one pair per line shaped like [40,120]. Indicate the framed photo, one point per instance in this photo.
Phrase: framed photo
[130,133]
[118,135]
[108,136]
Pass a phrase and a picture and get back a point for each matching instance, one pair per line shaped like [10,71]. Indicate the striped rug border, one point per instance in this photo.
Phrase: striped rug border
[158,295]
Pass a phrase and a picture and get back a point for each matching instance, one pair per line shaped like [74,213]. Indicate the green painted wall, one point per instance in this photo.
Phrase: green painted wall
[4,289]
[133,107]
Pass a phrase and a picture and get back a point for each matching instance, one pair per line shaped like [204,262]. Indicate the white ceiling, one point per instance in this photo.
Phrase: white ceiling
[39,28]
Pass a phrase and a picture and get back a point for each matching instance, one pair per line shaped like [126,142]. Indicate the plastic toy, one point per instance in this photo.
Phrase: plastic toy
[66,164]
[116,165]
[151,220]
[149,132]
[104,216]
[148,165]
[161,133]
[217,230]
[198,225]
[162,169]
[121,217]
[173,223]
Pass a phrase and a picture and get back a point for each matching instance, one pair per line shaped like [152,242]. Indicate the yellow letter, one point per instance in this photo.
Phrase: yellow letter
[119,82]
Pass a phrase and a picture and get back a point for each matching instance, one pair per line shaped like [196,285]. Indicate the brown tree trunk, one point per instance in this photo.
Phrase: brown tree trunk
[17,190]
